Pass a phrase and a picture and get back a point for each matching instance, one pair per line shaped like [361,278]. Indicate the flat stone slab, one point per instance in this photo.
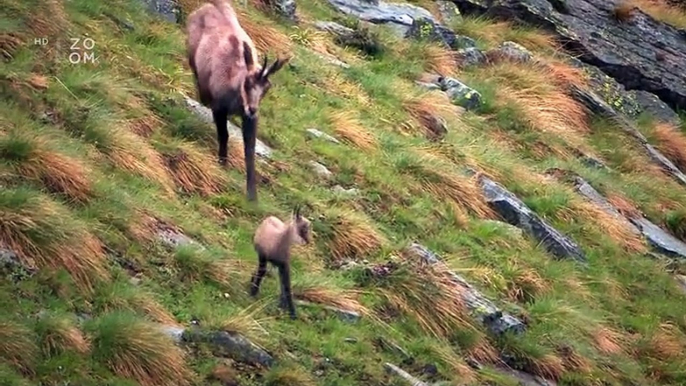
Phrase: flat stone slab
[515,212]
[485,310]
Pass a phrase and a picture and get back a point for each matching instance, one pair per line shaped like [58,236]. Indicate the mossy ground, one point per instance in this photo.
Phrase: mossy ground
[93,152]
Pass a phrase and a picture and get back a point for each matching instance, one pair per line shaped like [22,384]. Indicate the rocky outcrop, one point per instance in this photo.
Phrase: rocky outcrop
[166,9]
[482,308]
[515,212]
[320,170]
[206,115]
[222,343]
[459,93]
[660,240]
[408,20]
[641,53]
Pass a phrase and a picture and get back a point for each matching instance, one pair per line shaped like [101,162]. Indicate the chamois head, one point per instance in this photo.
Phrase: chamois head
[301,226]
[257,82]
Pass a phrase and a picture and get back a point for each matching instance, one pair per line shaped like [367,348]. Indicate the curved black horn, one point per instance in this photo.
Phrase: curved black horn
[264,66]
[297,210]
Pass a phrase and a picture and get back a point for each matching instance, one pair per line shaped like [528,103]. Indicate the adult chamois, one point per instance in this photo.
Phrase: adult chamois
[227,76]
[272,242]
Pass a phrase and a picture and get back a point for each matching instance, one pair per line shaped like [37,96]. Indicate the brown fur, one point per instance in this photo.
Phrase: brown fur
[272,241]
[227,76]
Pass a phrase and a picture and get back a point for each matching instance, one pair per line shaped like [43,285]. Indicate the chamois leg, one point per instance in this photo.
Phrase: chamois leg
[286,300]
[257,276]
[249,129]
[220,116]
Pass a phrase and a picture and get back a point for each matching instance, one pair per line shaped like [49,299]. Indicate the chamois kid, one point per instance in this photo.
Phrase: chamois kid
[272,241]
[227,76]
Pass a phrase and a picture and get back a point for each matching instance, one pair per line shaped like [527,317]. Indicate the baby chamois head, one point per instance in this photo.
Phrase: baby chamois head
[257,82]
[301,227]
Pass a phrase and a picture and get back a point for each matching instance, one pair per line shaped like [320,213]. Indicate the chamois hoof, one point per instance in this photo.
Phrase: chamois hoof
[293,316]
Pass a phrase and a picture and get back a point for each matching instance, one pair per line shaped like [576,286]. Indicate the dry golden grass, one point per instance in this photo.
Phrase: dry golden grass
[17,347]
[266,38]
[662,11]
[137,349]
[427,108]
[196,265]
[623,205]
[246,324]
[195,171]
[672,143]
[131,152]
[623,11]
[666,343]
[340,86]
[334,297]
[37,232]
[49,20]
[573,361]
[527,285]
[549,366]
[290,376]
[464,375]
[144,126]
[59,334]
[440,60]
[9,43]
[495,32]
[147,304]
[36,160]
[353,235]
[349,128]
[618,229]
[609,341]
[438,177]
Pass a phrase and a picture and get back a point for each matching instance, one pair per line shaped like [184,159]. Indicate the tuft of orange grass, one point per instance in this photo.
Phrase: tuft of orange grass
[609,341]
[623,205]
[672,143]
[59,334]
[439,178]
[667,342]
[34,159]
[49,20]
[144,126]
[429,109]
[353,235]
[617,228]
[130,152]
[139,350]
[347,89]
[17,347]
[44,235]
[662,11]
[623,11]
[465,375]
[526,285]
[440,60]
[194,171]
[573,361]
[495,32]
[549,366]
[196,265]
[342,299]
[350,129]
[266,38]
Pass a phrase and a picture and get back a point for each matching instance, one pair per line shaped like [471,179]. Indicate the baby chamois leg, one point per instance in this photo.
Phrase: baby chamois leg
[257,276]
[286,299]
[249,129]
[220,116]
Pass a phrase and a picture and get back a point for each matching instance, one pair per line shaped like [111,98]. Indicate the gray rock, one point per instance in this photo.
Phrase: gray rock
[459,93]
[596,105]
[525,379]
[391,368]
[515,212]
[205,114]
[652,105]
[345,315]
[167,9]
[228,345]
[430,29]
[331,59]
[511,51]
[589,160]
[470,56]
[285,8]
[174,332]
[659,239]
[482,308]
[348,192]
[320,170]
[174,238]
[334,28]
[626,51]
[314,133]
[448,11]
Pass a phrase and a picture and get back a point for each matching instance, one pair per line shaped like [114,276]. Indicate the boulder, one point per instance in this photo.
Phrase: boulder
[406,19]
[510,51]
[459,93]
[515,212]
[334,28]
[285,8]
[624,50]
[205,114]
[391,368]
[166,9]
[320,170]
[448,11]
[470,56]
[497,321]
[314,133]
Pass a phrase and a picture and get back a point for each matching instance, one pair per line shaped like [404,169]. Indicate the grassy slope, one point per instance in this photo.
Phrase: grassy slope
[90,152]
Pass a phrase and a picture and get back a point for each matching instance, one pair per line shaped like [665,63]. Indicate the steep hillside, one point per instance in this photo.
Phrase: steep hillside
[486,209]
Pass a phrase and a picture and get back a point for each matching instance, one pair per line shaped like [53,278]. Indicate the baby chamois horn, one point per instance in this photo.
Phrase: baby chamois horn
[272,241]
[227,76]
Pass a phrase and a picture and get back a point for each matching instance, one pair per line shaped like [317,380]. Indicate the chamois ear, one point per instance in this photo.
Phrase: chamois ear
[247,55]
[297,211]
